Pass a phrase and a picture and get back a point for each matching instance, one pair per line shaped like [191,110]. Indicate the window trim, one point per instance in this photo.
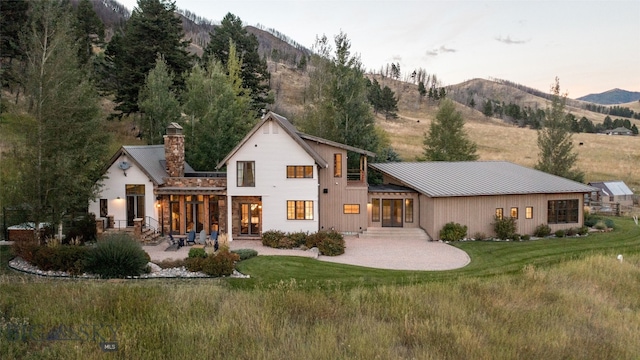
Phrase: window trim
[307,171]
[375,210]
[512,211]
[499,213]
[563,208]
[351,208]
[528,212]
[337,165]
[300,207]
[408,214]
[240,179]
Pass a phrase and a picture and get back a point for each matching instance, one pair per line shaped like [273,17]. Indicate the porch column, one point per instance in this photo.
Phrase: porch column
[229,218]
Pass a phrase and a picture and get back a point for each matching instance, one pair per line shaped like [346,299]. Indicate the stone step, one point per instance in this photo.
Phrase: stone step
[376,233]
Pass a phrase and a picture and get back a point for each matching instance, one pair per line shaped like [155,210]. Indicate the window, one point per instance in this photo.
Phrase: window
[246,173]
[375,210]
[299,210]
[528,212]
[351,209]
[408,210]
[562,211]
[300,172]
[104,208]
[337,165]
[514,212]
[499,213]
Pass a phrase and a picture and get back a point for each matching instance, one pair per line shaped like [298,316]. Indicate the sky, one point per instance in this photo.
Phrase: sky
[591,46]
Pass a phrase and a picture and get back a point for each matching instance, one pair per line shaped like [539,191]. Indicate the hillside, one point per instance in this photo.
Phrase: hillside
[612,97]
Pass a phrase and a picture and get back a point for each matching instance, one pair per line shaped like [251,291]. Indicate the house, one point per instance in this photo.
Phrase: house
[611,192]
[619,131]
[430,194]
[276,179]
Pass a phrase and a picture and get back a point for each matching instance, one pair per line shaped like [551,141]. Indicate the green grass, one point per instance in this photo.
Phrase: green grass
[546,299]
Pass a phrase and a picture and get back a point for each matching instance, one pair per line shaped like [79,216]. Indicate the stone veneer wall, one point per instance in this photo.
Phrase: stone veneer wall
[235,212]
[174,154]
[195,182]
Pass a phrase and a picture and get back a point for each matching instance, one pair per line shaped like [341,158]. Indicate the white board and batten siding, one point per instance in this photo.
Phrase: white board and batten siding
[273,150]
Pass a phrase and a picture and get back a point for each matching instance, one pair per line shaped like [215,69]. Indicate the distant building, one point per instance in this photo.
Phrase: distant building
[612,192]
[619,131]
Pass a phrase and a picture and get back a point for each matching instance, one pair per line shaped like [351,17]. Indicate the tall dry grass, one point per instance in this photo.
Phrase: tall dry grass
[586,309]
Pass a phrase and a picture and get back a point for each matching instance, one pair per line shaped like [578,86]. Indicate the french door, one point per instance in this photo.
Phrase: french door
[250,219]
[391,212]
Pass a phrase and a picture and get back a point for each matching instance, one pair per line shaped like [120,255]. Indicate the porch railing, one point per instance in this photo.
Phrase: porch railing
[355,175]
[151,223]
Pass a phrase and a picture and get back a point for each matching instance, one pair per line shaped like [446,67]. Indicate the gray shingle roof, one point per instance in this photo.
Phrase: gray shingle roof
[474,178]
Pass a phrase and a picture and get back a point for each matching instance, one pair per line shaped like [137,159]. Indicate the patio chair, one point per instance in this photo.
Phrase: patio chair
[203,237]
[191,237]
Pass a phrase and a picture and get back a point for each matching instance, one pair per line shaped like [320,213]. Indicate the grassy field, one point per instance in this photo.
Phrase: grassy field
[551,299]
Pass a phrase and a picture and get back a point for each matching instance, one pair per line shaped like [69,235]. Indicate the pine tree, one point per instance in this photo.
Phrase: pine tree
[219,111]
[338,109]
[158,103]
[446,139]
[422,90]
[554,140]
[374,95]
[89,30]
[389,103]
[64,146]
[152,29]
[255,75]
[13,22]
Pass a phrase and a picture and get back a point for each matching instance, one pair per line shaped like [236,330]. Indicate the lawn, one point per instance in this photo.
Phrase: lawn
[544,299]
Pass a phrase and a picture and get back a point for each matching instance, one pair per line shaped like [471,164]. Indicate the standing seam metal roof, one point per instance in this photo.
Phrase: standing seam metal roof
[613,188]
[150,159]
[475,178]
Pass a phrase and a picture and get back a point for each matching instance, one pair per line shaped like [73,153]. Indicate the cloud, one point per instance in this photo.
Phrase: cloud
[510,41]
[443,49]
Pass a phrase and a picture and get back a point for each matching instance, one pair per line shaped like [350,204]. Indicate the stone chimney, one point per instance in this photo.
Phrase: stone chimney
[174,150]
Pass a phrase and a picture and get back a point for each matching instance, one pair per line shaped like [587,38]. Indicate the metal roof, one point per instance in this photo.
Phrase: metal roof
[475,178]
[612,188]
[150,159]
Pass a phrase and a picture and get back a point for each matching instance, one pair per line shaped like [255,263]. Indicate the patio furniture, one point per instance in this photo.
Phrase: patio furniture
[214,238]
[203,237]
[191,237]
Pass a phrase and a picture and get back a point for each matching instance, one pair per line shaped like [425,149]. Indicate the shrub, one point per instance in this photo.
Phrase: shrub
[314,239]
[245,254]
[285,243]
[25,249]
[194,264]
[515,237]
[583,230]
[526,237]
[504,228]
[272,237]
[197,252]
[542,230]
[299,238]
[591,220]
[479,236]
[560,233]
[331,243]
[571,232]
[117,256]
[453,232]
[220,264]
[609,223]
[66,258]
[600,225]
[171,263]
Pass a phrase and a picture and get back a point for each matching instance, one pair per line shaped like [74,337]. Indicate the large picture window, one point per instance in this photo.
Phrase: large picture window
[246,173]
[562,211]
[300,172]
[299,210]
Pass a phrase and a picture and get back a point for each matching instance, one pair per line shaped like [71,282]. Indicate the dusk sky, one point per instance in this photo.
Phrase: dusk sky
[592,46]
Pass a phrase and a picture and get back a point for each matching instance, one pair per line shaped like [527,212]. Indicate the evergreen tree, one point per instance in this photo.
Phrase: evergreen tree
[422,90]
[554,140]
[338,109]
[586,125]
[219,110]
[89,30]
[389,103]
[634,129]
[608,123]
[152,29]
[255,75]
[374,95]
[13,21]
[446,139]
[64,145]
[472,103]
[158,103]
[487,109]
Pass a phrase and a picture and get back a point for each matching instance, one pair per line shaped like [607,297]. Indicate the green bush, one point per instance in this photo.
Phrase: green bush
[286,243]
[479,236]
[171,263]
[583,230]
[116,256]
[245,254]
[600,225]
[220,264]
[298,238]
[271,238]
[68,258]
[197,252]
[330,243]
[542,230]
[26,250]
[504,228]
[560,233]
[82,228]
[515,237]
[571,232]
[610,224]
[453,232]
[526,237]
